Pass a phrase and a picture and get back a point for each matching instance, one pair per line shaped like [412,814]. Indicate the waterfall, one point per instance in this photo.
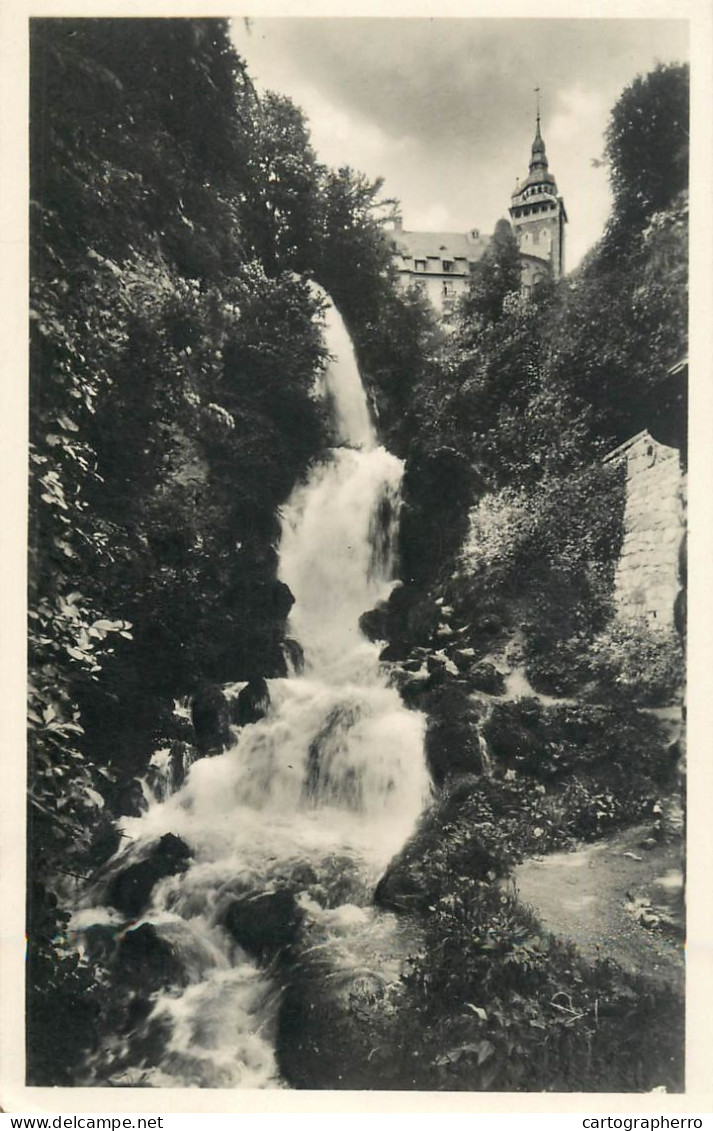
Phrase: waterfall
[314,799]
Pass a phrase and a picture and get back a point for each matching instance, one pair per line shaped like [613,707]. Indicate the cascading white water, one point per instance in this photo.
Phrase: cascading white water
[318,795]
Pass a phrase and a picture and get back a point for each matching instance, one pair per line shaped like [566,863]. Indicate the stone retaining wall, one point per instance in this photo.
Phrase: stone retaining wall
[647,576]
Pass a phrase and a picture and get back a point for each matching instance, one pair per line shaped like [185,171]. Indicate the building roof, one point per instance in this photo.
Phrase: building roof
[440,245]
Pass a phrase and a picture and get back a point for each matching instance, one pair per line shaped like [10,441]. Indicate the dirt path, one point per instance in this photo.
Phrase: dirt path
[614,899]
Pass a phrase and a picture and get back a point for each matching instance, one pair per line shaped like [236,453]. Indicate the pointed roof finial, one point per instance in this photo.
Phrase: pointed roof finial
[538,159]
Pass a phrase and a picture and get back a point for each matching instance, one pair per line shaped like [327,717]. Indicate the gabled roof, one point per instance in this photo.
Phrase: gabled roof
[440,245]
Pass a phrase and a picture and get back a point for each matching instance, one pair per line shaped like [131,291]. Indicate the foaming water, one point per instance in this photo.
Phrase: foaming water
[314,798]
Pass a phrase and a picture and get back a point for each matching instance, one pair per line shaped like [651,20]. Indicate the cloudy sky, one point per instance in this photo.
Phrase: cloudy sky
[443,109]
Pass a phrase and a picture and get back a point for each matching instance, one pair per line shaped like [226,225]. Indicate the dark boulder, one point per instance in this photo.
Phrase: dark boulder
[126,798]
[413,690]
[403,887]
[489,624]
[105,842]
[437,669]
[210,712]
[513,738]
[452,734]
[463,658]
[100,942]
[130,890]
[265,925]
[166,778]
[445,842]
[375,623]
[281,600]
[485,677]
[147,962]
[252,704]
[340,1032]
[294,654]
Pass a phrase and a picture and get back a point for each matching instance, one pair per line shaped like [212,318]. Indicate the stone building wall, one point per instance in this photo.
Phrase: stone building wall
[647,576]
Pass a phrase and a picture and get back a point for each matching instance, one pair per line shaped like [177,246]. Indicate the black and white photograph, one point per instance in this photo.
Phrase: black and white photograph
[357,583]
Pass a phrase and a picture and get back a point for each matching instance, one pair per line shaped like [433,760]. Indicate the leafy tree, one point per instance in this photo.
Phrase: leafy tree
[647,147]
[285,198]
[495,276]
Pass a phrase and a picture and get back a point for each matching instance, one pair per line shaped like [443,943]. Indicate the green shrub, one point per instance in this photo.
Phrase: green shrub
[496,1005]
[645,664]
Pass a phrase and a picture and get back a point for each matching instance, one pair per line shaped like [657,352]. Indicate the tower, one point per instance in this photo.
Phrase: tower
[538,217]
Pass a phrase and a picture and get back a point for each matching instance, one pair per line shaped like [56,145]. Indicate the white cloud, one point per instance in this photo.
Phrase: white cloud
[343,138]
[432,218]
[580,111]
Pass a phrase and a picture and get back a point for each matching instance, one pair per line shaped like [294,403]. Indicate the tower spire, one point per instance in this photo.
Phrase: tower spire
[538,159]
[538,213]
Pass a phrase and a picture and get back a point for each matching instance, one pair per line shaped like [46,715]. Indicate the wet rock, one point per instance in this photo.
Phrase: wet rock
[437,668]
[413,690]
[343,881]
[302,877]
[281,600]
[402,888]
[412,881]
[100,942]
[463,658]
[167,770]
[392,653]
[147,962]
[530,710]
[331,1023]
[514,744]
[105,843]
[294,653]
[210,712]
[374,623]
[252,704]
[265,925]
[459,791]
[130,890]
[182,755]
[485,677]
[452,734]
[488,625]
[126,799]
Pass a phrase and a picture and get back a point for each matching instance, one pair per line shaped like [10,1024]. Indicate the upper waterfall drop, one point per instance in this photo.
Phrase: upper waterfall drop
[339,528]
[344,385]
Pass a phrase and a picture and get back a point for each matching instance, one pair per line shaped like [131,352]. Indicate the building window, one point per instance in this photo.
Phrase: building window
[420,264]
[447,265]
